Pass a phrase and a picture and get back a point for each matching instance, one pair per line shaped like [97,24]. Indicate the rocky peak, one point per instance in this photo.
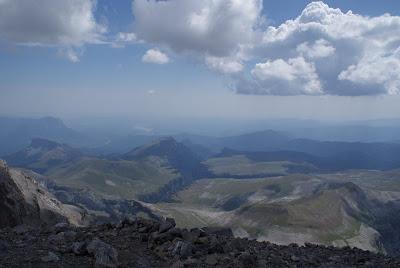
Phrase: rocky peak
[12,208]
[23,200]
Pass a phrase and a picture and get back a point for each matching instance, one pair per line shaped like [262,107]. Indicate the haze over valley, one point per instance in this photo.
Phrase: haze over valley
[267,185]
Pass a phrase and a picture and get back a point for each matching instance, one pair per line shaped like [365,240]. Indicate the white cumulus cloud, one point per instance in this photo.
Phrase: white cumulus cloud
[155,56]
[319,49]
[124,38]
[49,22]
[61,23]
[378,71]
[224,65]
[279,77]
[351,54]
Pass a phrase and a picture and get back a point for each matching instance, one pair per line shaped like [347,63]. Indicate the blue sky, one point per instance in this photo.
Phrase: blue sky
[209,71]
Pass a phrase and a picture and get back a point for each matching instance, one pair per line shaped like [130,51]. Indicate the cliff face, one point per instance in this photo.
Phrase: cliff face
[12,204]
[23,200]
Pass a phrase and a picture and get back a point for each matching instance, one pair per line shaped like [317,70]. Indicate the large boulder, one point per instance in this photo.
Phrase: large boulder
[104,254]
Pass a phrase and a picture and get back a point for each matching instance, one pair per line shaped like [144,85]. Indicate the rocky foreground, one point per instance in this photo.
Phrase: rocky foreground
[147,243]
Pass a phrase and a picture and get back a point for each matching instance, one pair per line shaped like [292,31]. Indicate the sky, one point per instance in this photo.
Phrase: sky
[246,59]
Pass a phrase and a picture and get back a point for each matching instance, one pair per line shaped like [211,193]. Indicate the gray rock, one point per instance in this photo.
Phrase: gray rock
[56,239]
[237,244]
[182,248]
[70,235]
[177,248]
[186,250]
[295,258]
[178,264]
[4,246]
[175,232]
[60,227]
[51,257]
[21,229]
[144,237]
[143,229]
[202,240]
[79,248]
[190,236]
[190,262]
[218,231]
[247,259]
[211,259]
[168,224]
[104,254]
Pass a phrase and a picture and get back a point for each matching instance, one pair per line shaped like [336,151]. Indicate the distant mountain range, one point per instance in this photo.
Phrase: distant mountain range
[17,133]
[307,194]
[256,141]
[266,185]
[350,133]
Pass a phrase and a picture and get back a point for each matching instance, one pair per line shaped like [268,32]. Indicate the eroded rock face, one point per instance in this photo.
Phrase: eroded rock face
[104,254]
[24,201]
[12,204]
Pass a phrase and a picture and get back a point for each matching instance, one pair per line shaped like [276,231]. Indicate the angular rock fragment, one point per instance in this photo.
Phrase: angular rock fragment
[51,257]
[168,224]
[104,254]
[79,248]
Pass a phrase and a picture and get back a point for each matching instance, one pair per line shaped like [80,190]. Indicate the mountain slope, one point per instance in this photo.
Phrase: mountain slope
[150,169]
[177,156]
[23,200]
[175,153]
[12,207]
[320,209]
[114,179]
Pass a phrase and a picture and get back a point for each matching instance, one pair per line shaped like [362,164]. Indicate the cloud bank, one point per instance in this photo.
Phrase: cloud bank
[322,51]
[346,54]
